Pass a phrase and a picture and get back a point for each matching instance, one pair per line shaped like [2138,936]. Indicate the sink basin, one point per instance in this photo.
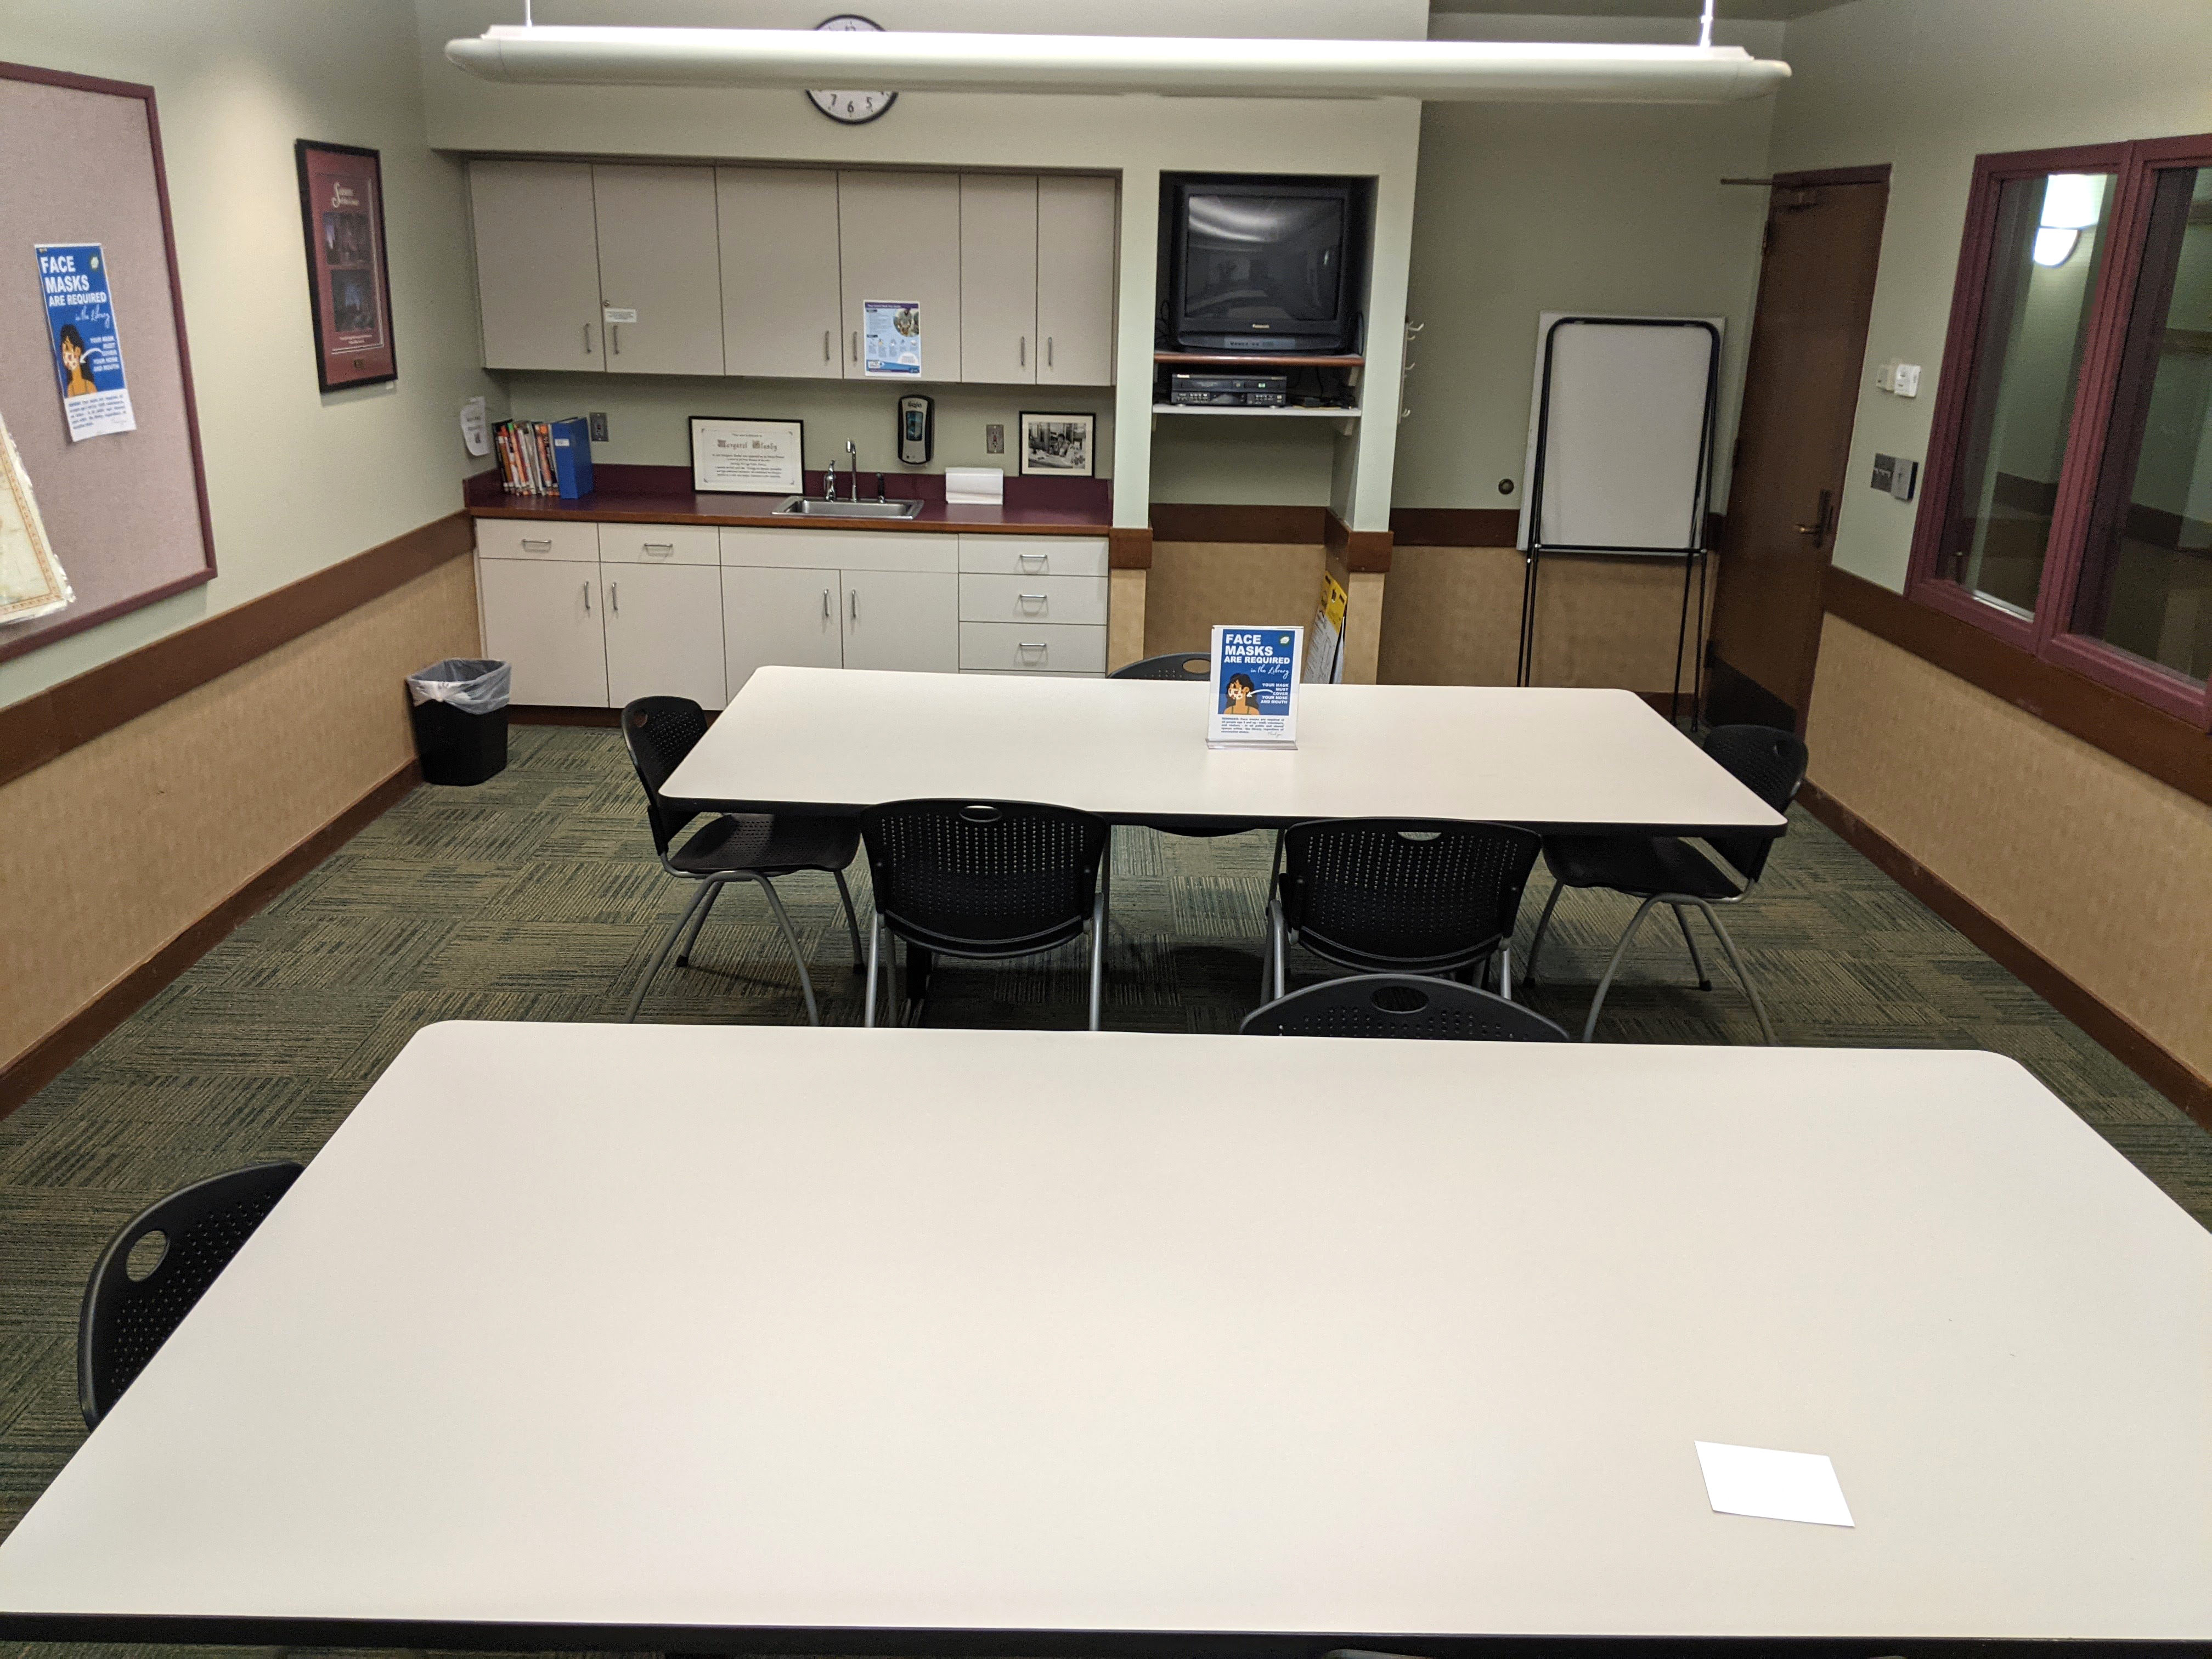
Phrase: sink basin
[813,507]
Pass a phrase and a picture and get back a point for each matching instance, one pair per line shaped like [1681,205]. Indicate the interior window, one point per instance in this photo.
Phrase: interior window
[2146,583]
[2050,245]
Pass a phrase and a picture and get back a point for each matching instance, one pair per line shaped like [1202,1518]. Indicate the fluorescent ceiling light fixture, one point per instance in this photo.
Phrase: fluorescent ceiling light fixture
[2054,244]
[2072,202]
[1471,72]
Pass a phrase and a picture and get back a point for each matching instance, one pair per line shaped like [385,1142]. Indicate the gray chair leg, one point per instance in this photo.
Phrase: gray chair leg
[1743,974]
[798,956]
[1611,966]
[852,921]
[1529,969]
[699,921]
[875,945]
[1704,980]
[1279,937]
[1098,954]
[1505,970]
[667,945]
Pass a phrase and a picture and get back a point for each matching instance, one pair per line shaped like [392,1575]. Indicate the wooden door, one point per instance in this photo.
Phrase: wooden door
[538,263]
[774,615]
[659,258]
[543,616]
[1801,393]
[780,275]
[905,619]
[999,278]
[1077,273]
[664,626]
[898,237]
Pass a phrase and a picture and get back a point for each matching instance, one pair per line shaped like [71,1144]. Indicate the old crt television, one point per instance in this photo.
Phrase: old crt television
[1262,264]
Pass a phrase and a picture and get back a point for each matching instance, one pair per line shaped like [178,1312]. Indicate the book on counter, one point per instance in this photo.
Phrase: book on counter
[545,457]
[1255,689]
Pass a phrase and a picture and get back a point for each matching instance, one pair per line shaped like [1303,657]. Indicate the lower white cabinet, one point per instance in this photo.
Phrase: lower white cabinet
[664,632]
[543,615]
[903,619]
[771,615]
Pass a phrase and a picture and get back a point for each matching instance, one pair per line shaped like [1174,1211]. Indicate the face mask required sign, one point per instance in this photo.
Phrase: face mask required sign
[1255,688]
[80,327]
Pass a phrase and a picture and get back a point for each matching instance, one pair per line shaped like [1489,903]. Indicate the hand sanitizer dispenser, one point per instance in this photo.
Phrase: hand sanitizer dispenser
[917,430]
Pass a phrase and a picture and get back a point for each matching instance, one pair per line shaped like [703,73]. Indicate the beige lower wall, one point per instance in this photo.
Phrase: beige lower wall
[119,845]
[1193,586]
[2105,870]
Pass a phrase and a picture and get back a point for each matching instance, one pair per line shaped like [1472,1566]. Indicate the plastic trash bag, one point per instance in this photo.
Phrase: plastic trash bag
[473,685]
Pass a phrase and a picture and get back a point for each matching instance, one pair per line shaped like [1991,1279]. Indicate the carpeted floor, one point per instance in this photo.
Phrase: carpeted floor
[535,896]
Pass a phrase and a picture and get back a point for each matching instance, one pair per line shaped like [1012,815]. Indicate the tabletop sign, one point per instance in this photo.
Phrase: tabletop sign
[1254,688]
[747,457]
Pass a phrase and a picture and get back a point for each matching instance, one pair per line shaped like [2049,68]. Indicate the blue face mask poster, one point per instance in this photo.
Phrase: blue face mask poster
[1255,689]
[80,327]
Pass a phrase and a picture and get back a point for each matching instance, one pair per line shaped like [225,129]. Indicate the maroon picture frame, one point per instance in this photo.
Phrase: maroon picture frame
[349,267]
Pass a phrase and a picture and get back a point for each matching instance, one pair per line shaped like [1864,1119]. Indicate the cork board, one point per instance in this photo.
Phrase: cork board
[126,513]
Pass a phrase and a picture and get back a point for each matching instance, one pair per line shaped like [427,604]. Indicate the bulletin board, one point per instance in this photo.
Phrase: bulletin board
[126,512]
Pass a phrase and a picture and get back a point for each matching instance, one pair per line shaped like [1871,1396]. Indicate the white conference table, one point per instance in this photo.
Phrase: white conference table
[1134,751]
[814,1341]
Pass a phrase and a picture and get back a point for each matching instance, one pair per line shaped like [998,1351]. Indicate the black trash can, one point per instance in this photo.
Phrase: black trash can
[459,710]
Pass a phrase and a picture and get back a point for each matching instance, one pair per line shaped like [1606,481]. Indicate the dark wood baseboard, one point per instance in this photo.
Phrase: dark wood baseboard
[1363,551]
[46,1060]
[548,713]
[1205,521]
[2127,1042]
[1128,550]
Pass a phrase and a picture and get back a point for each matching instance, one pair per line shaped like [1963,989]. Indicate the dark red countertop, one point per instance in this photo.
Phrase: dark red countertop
[663,495]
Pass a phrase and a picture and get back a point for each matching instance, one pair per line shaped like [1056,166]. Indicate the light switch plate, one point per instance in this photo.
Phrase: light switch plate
[1908,379]
[1885,378]
[598,420]
[994,440]
[1895,476]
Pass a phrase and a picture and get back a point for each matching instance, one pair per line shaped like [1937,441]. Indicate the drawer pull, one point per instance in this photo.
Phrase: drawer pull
[587,598]
[1040,557]
[530,542]
[1032,645]
[614,597]
[1028,598]
[660,547]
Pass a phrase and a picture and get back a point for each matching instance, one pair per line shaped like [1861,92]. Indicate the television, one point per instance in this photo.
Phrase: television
[1262,264]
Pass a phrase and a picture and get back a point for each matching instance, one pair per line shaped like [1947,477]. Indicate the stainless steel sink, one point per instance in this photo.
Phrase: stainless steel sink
[813,507]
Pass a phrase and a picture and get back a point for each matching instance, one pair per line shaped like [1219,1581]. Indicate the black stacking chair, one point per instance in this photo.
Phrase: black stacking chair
[1399,895]
[1173,666]
[126,1320]
[988,879]
[755,846]
[1399,1006]
[1667,870]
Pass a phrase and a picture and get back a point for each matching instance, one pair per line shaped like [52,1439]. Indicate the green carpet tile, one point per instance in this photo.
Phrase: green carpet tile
[536,897]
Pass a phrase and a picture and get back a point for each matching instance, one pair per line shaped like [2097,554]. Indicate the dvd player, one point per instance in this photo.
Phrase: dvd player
[1230,391]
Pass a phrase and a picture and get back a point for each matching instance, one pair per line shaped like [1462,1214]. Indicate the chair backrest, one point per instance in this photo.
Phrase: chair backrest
[1770,764]
[126,1320]
[1399,1006]
[983,878]
[660,731]
[1175,665]
[1408,893]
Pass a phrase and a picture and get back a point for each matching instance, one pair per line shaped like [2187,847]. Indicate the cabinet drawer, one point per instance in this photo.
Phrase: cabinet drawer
[538,539]
[1033,647]
[660,544]
[798,549]
[1033,598]
[1034,556]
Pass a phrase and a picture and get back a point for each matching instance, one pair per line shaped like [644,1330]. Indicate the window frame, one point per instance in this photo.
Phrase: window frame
[2048,634]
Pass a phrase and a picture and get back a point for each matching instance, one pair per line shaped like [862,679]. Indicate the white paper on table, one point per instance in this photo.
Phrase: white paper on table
[1773,1486]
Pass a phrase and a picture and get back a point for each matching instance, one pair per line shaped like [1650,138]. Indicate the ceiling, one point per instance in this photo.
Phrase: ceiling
[1769,11]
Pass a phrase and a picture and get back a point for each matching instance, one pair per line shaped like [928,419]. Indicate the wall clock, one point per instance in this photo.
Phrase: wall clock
[852,109]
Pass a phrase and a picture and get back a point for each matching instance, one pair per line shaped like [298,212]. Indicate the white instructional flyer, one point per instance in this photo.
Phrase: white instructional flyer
[890,340]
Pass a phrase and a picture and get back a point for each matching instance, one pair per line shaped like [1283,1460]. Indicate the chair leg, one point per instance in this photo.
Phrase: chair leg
[1612,965]
[875,944]
[1704,980]
[1529,969]
[1743,974]
[1505,970]
[1280,937]
[1098,954]
[852,921]
[798,956]
[667,945]
[699,921]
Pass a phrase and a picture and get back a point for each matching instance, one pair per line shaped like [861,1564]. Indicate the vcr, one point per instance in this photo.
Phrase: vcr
[1230,391]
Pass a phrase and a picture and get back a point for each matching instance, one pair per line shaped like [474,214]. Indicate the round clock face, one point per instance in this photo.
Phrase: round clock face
[852,108]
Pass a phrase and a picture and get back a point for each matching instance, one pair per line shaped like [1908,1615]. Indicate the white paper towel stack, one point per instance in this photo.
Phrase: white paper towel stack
[984,486]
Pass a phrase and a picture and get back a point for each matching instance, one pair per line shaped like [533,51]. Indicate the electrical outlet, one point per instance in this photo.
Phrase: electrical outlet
[598,420]
[995,439]
[1885,378]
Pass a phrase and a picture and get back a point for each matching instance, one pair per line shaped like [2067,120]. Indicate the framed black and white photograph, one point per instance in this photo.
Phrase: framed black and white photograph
[1059,446]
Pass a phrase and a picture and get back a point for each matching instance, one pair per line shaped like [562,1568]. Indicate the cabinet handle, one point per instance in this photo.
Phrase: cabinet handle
[1047,352]
[587,598]
[1032,645]
[825,604]
[530,541]
[1025,359]
[614,597]
[856,347]
[614,338]
[659,547]
[825,345]
[587,339]
[855,596]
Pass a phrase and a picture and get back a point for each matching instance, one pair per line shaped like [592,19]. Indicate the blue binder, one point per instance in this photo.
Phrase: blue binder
[572,456]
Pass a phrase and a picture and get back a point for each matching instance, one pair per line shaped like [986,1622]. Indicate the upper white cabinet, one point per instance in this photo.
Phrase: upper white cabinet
[538,263]
[999,278]
[660,263]
[898,235]
[1075,281]
[779,277]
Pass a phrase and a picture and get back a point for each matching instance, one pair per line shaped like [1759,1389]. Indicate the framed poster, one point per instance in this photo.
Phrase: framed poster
[1058,446]
[31,580]
[744,457]
[348,282]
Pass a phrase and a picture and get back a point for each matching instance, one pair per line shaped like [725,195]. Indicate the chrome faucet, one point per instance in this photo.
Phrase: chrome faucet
[829,480]
[852,464]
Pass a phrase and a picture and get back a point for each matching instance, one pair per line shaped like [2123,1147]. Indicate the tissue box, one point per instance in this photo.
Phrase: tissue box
[978,486]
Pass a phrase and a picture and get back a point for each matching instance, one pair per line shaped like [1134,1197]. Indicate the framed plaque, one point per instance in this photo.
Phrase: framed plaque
[746,457]
[348,284]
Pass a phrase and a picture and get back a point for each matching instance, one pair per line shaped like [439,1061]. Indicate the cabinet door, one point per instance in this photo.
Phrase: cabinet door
[660,257]
[908,619]
[664,632]
[898,237]
[538,263]
[779,230]
[775,616]
[543,616]
[999,278]
[1077,268]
